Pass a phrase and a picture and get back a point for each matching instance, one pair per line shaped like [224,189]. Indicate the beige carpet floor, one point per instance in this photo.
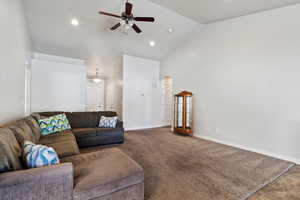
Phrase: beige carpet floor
[287,187]
[187,168]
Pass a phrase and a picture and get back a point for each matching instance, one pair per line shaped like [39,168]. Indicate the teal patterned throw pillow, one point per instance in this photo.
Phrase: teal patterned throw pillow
[108,122]
[54,124]
[39,155]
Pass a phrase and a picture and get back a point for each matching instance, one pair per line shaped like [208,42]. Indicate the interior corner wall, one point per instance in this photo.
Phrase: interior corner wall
[14,53]
[245,76]
[141,93]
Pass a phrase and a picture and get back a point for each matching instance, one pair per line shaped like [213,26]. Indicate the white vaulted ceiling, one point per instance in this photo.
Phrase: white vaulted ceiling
[92,40]
[207,11]
[52,33]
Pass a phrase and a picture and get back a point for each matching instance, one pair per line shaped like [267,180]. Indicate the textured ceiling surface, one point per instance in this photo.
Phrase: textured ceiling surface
[207,11]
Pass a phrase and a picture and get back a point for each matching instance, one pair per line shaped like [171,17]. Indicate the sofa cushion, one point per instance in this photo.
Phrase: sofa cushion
[23,132]
[109,132]
[63,143]
[84,132]
[65,148]
[36,116]
[98,136]
[88,119]
[57,137]
[32,122]
[84,119]
[119,124]
[49,114]
[10,151]
[103,172]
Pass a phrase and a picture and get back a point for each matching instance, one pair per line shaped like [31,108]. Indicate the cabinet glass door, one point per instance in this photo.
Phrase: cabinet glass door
[183,113]
[180,112]
[188,112]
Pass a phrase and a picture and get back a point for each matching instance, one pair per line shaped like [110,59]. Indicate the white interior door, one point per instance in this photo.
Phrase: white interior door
[141,93]
[95,96]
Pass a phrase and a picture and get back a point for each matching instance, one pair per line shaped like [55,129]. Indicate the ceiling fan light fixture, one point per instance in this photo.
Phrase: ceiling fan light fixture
[127,26]
[130,23]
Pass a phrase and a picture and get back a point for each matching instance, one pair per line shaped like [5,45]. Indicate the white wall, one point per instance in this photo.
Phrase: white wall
[166,96]
[58,84]
[14,51]
[141,93]
[245,76]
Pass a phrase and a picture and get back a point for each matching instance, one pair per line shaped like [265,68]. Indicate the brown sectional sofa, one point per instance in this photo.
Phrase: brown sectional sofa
[104,175]
[84,127]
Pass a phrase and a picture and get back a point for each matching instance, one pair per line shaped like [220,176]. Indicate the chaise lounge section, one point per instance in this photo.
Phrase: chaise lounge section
[100,175]
[104,175]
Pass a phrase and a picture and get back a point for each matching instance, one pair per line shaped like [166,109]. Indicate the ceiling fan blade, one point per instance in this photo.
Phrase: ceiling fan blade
[128,8]
[136,28]
[144,19]
[115,26]
[109,14]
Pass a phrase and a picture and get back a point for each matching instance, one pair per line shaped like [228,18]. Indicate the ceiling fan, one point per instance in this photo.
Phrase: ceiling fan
[128,19]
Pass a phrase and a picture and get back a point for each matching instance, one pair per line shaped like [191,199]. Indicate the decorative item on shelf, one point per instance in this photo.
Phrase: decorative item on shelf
[183,113]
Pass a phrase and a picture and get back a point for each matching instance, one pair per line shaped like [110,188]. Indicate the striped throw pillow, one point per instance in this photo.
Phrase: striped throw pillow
[39,155]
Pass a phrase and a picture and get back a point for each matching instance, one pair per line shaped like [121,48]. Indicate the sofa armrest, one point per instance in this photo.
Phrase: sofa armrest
[119,124]
[52,183]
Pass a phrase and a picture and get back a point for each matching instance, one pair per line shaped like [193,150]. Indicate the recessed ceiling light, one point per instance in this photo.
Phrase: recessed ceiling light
[152,43]
[74,22]
[170,30]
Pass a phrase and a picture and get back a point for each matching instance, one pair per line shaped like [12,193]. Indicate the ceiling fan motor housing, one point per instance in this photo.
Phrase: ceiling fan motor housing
[128,19]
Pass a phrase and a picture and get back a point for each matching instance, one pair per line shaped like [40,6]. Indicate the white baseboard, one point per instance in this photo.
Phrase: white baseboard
[253,149]
[144,127]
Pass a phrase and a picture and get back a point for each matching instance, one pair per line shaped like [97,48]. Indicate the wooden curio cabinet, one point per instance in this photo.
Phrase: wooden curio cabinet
[183,113]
